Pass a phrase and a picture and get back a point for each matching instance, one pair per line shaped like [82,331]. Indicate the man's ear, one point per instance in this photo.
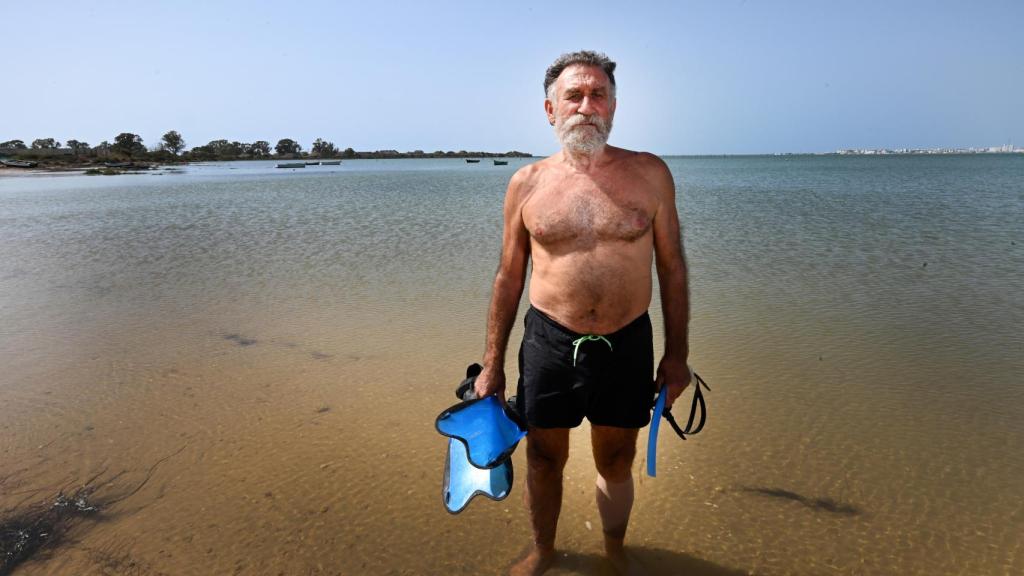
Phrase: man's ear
[549,109]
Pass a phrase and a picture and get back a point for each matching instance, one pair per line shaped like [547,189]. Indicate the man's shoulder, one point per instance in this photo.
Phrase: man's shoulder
[523,181]
[638,160]
[532,169]
[527,176]
[646,173]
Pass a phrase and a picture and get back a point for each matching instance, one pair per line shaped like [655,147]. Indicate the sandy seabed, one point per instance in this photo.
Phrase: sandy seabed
[267,451]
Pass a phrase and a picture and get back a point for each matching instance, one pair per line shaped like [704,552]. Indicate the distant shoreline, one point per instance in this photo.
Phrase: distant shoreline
[65,166]
[58,161]
[95,168]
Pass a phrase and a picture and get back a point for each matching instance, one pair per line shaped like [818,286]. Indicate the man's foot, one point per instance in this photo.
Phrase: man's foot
[623,563]
[535,562]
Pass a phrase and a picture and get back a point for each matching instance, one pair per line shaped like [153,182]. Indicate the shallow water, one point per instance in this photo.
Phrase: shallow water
[285,339]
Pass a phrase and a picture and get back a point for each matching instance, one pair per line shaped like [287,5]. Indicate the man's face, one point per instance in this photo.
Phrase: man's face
[582,109]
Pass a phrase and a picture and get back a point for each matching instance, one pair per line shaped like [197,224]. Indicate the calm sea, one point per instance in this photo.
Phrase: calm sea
[247,363]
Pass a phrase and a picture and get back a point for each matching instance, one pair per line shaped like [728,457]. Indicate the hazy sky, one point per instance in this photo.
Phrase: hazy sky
[694,77]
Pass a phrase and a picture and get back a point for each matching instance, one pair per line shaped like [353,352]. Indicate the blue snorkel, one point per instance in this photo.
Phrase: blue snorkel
[652,435]
[660,411]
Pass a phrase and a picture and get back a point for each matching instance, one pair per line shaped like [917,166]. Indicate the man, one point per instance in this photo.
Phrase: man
[592,217]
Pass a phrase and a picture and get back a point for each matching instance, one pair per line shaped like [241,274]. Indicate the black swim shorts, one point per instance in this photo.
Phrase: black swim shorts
[564,376]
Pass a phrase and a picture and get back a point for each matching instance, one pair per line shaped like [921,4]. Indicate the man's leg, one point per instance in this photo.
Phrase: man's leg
[614,449]
[547,450]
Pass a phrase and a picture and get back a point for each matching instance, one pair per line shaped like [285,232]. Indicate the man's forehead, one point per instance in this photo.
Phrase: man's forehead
[580,75]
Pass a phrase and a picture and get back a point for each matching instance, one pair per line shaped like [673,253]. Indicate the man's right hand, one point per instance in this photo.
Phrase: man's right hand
[491,381]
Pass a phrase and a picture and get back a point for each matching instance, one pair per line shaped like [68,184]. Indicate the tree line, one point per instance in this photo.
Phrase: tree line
[129,146]
[172,148]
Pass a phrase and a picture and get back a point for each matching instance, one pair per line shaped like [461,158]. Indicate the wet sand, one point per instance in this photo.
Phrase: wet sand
[308,453]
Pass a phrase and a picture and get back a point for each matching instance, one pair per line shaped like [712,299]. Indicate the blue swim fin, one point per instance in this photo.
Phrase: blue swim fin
[484,427]
[482,434]
[463,481]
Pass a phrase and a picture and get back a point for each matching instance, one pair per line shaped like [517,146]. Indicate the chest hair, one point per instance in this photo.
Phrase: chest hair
[586,217]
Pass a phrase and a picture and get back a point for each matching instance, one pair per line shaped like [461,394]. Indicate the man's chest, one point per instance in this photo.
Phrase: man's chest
[588,213]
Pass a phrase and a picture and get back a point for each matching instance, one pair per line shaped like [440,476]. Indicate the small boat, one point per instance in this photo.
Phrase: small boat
[501,162]
[291,165]
[472,160]
[313,163]
[330,162]
[19,163]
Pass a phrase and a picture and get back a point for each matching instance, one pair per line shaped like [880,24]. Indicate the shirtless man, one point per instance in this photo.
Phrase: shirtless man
[592,217]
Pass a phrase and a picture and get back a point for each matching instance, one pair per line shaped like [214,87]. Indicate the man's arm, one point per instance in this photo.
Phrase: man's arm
[670,260]
[508,289]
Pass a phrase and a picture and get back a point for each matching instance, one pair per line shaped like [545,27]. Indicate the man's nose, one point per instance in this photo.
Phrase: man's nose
[586,106]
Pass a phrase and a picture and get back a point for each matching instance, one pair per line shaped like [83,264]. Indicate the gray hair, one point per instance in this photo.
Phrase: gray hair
[584,57]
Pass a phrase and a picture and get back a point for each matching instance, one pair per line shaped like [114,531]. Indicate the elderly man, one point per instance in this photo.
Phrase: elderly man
[592,217]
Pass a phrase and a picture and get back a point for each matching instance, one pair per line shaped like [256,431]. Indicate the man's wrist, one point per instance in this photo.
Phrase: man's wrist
[493,362]
[675,357]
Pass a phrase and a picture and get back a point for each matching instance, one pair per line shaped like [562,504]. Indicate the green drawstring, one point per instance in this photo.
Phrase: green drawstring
[576,344]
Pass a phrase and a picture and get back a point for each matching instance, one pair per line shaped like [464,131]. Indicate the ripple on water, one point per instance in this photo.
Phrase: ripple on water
[863,416]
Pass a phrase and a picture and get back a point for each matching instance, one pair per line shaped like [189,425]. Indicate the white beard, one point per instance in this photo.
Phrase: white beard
[586,140]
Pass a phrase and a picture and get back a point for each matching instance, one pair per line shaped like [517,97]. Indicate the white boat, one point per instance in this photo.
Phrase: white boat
[19,163]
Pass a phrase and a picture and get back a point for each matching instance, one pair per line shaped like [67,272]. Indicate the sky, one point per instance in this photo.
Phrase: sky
[725,77]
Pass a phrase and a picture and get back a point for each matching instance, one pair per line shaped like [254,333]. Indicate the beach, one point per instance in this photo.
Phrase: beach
[248,363]
[6,172]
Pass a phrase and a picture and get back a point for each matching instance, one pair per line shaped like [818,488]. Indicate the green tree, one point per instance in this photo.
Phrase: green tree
[13,145]
[260,149]
[324,149]
[173,142]
[349,153]
[287,146]
[199,153]
[218,149]
[45,144]
[128,144]
[78,148]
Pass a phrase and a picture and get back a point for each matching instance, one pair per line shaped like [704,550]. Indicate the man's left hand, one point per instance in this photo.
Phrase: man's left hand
[674,376]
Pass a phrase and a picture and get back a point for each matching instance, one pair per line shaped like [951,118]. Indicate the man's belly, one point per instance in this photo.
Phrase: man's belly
[596,292]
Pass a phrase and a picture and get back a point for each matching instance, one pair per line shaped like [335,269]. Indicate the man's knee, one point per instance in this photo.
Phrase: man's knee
[616,464]
[546,456]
